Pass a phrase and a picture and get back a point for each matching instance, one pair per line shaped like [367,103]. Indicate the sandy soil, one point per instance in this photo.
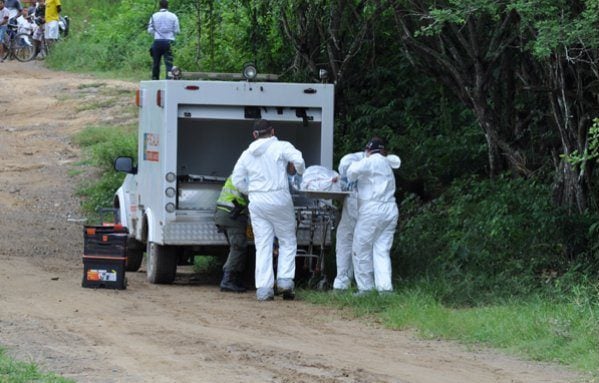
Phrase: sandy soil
[186,332]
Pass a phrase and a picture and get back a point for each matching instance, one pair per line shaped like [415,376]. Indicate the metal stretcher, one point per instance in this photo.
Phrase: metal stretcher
[316,219]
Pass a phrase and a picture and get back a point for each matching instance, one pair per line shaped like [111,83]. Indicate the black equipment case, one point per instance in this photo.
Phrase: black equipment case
[104,256]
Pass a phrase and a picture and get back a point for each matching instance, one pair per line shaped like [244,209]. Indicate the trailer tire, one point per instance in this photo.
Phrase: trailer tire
[134,254]
[161,263]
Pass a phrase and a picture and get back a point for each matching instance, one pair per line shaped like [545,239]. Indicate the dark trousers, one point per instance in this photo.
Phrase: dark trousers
[161,48]
[238,244]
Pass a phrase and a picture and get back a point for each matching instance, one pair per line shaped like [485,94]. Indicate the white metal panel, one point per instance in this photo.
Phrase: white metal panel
[193,233]
[251,93]
[216,100]
[237,112]
[198,196]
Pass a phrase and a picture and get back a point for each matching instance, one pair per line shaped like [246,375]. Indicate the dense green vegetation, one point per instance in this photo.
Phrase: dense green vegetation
[490,105]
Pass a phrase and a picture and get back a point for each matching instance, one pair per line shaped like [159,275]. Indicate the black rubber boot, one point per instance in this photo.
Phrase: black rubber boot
[230,283]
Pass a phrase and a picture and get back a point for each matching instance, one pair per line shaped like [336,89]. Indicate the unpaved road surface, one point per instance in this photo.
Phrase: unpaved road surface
[185,332]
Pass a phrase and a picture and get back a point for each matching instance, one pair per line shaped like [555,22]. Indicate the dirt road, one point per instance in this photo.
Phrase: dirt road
[180,333]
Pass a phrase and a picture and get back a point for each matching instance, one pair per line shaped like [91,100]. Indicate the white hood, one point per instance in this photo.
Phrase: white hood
[262,166]
[258,147]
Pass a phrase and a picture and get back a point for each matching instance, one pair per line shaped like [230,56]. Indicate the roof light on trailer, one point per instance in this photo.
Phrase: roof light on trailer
[176,73]
[323,74]
[249,71]
[192,87]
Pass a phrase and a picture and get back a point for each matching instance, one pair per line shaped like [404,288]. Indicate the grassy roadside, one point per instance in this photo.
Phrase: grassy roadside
[19,372]
[564,331]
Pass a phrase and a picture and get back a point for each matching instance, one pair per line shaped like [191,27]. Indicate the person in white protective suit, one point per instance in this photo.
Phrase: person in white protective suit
[377,218]
[349,217]
[261,173]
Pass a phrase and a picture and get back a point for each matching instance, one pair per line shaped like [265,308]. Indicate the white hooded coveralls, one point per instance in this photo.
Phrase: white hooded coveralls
[261,173]
[345,229]
[347,224]
[377,220]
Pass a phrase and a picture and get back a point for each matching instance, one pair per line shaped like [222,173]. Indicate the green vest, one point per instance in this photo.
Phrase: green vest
[228,194]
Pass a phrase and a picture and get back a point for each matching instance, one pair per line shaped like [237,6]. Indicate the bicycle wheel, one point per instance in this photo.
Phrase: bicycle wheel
[23,48]
[5,45]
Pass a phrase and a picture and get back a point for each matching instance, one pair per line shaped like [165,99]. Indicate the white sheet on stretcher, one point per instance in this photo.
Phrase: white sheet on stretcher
[318,178]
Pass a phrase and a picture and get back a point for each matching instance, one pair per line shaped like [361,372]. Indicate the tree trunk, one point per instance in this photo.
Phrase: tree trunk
[571,119]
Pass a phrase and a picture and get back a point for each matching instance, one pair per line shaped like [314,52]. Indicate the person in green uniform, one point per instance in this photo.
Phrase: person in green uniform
[231,217]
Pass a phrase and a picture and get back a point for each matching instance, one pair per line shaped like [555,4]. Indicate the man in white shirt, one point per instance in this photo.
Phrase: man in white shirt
[163,26]
[24,24]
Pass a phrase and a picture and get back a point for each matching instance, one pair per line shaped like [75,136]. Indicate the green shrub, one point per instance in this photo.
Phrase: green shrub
[486,239]
[101,146]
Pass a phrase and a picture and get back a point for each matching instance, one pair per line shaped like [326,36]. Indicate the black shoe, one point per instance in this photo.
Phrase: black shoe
[288,295]
[229,283]
[285,287]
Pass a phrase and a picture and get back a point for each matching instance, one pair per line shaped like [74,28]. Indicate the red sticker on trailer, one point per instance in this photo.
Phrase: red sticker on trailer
[151,147]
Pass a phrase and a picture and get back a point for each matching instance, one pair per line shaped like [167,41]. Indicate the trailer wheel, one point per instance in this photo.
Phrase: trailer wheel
[161,263]
[134,254]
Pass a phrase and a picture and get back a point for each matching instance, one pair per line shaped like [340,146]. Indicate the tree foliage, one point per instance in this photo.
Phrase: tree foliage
[527,71]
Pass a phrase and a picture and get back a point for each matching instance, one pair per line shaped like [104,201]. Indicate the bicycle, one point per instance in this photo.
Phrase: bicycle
[43,45]
[17,45]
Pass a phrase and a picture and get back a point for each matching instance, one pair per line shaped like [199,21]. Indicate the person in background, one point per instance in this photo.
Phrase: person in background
[349,217]
[261,173]
[24,22]
[4,17]
[345,229]
[163,26]
[39,18]
[231,217]
[53,8]
[377,218]
[32,7]
[39,12]
[14,7]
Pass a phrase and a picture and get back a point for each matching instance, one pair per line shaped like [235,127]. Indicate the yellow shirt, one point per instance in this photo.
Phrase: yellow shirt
[52,10]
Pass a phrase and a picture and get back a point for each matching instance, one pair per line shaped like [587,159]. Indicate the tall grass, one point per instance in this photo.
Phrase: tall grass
[101,145]
[12,371]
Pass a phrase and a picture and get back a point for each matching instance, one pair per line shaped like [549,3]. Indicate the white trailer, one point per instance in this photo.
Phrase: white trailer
[191,133]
